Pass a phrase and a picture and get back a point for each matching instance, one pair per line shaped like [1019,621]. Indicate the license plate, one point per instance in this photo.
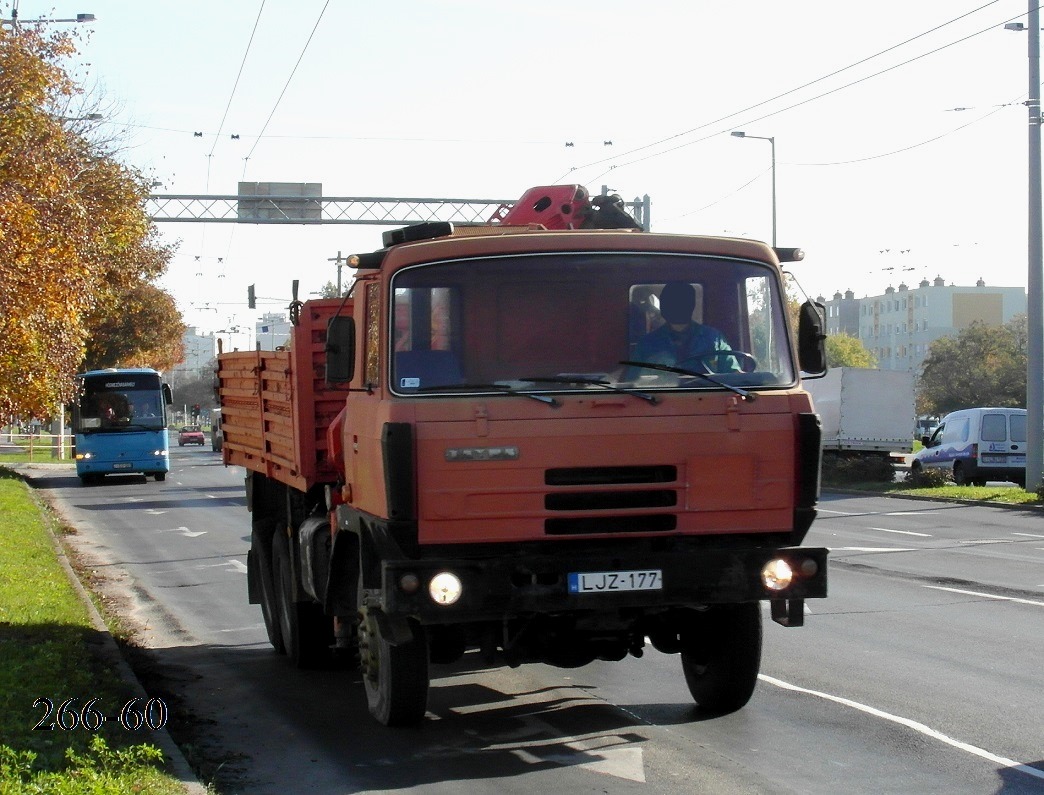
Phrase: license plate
[615,581]
[121,466]
[1010,460]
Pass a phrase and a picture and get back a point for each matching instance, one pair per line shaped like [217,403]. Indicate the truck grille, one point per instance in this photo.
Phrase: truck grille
[614,499]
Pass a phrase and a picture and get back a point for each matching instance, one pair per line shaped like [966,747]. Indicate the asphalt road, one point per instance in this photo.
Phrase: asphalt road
[922,672]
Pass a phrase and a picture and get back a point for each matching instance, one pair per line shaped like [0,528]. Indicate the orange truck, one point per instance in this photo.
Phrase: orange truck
[509,441]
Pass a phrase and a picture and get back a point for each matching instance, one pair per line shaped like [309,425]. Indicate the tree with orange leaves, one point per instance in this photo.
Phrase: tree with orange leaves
[78,252]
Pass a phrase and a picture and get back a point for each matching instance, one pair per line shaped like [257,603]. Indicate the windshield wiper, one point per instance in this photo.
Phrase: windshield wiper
[743,393]
[569,379]
[508,390]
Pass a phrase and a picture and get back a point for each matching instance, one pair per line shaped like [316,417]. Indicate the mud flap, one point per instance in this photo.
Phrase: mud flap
[788,612]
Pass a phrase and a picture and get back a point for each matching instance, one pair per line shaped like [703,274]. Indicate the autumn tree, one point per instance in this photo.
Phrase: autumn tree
[982,366]
[844,350]
[76,244]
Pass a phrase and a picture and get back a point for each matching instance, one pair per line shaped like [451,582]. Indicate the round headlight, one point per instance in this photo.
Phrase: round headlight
[445,588]
[777,575]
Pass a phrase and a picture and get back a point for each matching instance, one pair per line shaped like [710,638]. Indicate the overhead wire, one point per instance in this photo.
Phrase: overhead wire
[820,96]
[762,103]
[221,126]
[304,49]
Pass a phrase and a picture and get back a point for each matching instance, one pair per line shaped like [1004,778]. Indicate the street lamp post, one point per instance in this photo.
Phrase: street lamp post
[772,142]
[1035,260]
[15,20]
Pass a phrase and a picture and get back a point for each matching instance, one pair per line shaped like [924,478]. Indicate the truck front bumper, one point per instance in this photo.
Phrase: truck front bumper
[495,589]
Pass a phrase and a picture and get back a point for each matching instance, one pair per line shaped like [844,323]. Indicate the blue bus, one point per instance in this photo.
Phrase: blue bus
[120,424]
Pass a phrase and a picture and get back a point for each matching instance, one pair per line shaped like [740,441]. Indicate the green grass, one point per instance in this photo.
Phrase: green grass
[47,645]
[1003,494]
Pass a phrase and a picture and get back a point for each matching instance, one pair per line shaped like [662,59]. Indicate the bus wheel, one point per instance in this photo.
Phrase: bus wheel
[721,657]
[307,634]
[161,476]
[395,677]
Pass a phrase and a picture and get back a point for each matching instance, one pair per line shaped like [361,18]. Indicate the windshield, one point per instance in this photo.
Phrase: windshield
[588,321]
[123,402]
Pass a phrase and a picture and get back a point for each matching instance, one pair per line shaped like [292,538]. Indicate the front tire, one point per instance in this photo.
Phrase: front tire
[721,657]
[395,677]
[959,476]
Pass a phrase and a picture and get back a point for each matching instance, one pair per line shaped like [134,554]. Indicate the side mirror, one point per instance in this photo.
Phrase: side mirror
[168,396]
[925,440]
[812,338]
[340,350]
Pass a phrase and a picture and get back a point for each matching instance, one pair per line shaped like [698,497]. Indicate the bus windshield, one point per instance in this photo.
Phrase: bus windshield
[121,401]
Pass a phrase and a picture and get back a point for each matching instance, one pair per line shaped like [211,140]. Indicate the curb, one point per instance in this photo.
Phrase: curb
[178,765]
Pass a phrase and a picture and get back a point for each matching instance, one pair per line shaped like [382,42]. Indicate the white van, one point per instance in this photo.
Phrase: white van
[977,445]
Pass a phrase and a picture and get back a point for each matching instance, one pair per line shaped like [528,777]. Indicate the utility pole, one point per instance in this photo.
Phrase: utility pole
[340,261]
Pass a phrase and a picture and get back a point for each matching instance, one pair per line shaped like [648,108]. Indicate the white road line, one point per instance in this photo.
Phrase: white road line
[911,724]
[901,532]
[1028,535]
[987,595]
[873,549]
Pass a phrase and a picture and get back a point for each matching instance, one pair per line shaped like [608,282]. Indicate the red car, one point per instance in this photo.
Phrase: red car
[191,434]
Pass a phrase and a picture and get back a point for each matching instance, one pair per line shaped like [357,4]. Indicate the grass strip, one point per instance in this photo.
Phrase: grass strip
[49,653]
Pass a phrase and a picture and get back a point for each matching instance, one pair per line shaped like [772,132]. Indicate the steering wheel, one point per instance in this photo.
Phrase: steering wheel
[747,362]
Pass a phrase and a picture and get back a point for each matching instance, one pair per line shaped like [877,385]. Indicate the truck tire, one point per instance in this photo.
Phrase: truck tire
[721,657]
[395,677]
[307,634]
[261,547]
[959,476]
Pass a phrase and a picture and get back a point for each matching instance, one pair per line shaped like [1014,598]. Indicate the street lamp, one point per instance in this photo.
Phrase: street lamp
[14,21]
[772,141]
[1035,258]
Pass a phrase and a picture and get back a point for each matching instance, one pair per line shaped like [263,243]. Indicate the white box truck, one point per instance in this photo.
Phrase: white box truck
[865,410]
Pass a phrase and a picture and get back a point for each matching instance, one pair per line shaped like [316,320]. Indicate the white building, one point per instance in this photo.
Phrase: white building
[272,331]
[199,355]
[899,326]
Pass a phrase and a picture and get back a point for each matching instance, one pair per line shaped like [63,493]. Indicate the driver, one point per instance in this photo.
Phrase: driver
[680,341]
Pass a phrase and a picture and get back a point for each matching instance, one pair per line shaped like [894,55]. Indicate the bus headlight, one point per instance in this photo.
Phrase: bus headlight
[445,588]
[776,575]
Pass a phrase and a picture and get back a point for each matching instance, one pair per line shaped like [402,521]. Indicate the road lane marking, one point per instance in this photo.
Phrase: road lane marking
[1028,535]
[987,595]
[901,532]
[184,531]
[235,564]
[873,549]
[911,724]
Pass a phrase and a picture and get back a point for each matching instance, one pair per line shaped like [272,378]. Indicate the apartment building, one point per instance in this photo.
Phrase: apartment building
[899,326]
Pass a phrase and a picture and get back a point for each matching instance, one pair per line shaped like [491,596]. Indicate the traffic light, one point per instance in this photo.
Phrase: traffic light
[251,301]
[195,410]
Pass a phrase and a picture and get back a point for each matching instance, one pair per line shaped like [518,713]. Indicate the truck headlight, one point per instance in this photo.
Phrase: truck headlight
[445,588]
[776,575]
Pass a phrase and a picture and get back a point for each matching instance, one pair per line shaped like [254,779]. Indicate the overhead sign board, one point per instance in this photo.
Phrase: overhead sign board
[280,201]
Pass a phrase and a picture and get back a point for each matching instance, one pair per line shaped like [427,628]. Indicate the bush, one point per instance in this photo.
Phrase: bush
[928,478]
[866,468]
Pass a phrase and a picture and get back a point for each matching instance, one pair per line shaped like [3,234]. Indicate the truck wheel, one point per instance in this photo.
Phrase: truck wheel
[721,657]
[160,476]
[262,550]
[395,677]
[958,475]
[307,634]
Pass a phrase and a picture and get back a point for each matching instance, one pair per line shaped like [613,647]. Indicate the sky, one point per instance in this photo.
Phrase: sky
[899,127]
